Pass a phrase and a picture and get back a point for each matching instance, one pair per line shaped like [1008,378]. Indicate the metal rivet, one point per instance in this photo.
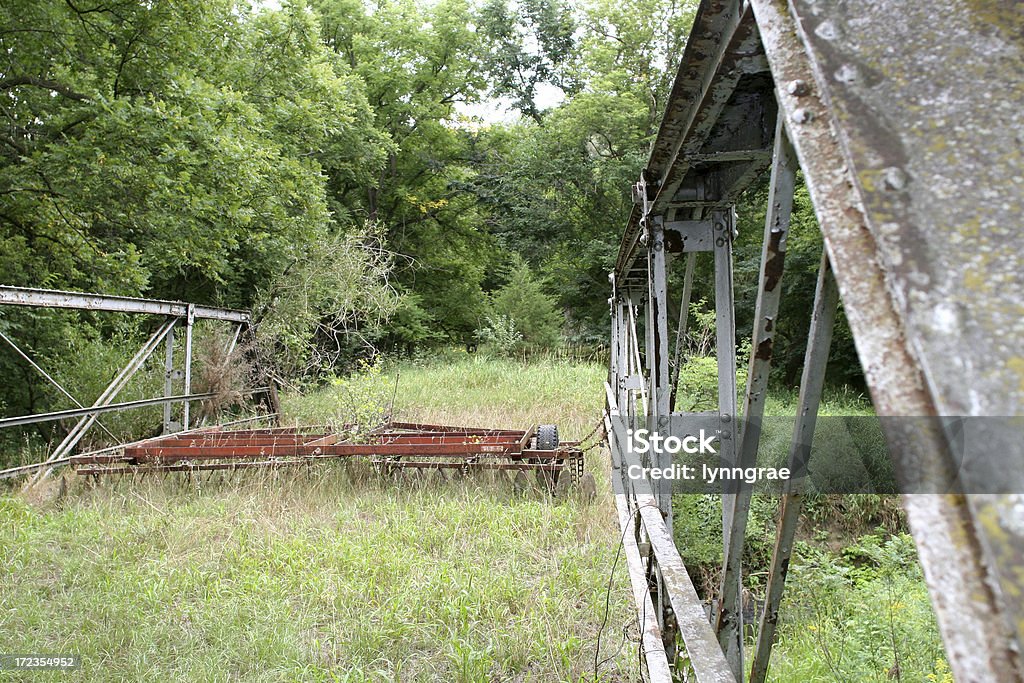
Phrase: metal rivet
[797,87]
[894,178]
[803,115]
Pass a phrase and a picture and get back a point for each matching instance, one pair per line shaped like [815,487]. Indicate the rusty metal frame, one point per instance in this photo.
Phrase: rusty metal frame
[389,448]
[172,312]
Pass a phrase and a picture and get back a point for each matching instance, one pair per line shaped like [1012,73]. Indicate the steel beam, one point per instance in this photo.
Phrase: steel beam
[723,46]
[729,616]
[841,164]
[96,410]
[190,320]
[657,349]
[169,427]
[812,381]
[50,298]
[766,309]
[702,649]
[107,397]
[655,657]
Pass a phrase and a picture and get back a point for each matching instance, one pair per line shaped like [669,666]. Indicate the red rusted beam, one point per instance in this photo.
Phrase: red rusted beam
[207,452]
[449,428]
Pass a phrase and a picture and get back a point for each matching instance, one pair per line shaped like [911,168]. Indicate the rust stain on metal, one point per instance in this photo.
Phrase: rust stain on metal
[773,267]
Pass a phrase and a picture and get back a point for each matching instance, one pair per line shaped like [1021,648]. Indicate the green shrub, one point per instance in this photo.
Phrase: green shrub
[522,300]
[355,403]
[500,335]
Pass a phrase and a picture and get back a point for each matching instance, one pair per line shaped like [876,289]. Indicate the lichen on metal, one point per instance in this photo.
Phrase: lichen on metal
[928,102]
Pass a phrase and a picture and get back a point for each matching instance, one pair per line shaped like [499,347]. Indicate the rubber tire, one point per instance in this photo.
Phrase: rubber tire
[547,437]
[547,440]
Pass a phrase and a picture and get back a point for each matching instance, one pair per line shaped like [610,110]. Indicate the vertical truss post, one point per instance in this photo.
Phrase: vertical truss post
[658,404]
[657,354]
[189,323]
[613,338]
[636,373]
[731,615]
[168,381]
[622,350]
[819,340]
[766,309]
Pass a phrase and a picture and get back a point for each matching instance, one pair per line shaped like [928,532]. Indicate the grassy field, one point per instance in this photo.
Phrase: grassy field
[332,575]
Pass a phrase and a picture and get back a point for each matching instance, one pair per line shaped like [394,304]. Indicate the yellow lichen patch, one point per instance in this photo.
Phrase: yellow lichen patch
[1004,16]
[974,281]
[1016,366]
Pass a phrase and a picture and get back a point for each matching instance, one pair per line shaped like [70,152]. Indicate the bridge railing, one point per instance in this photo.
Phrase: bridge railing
[174,315]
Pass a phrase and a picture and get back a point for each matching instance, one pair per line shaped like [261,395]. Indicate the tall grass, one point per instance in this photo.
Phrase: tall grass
[331,573]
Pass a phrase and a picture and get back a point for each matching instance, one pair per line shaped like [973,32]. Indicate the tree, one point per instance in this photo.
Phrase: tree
[530,43]
[523,301]
[177,150]
[417,60]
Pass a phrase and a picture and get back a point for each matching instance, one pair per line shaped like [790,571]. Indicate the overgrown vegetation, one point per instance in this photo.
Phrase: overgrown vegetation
[332,574]
[326,165]
[856,607]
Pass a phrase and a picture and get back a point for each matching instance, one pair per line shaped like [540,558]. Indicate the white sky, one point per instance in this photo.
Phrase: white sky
[499,110]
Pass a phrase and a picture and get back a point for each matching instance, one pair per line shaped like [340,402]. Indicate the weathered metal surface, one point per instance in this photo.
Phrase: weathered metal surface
[906,120]
[702,648]
[190,320]
[657,358]
[888,139]
[812,382]
[716,90]
[932,133]
[96,410]
[677,607]
[655,659]
[766,309]
[52,298]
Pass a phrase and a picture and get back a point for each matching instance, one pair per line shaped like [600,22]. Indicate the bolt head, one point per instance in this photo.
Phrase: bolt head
[797,87]
[894,178]
[803,115]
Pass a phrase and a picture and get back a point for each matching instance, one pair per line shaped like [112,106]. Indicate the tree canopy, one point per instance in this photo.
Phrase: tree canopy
[331,160]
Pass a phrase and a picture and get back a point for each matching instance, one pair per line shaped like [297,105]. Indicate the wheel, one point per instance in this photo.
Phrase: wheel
[547,440]
[547,437]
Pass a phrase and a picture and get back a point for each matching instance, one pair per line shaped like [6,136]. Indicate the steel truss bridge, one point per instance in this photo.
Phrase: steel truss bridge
[907,122]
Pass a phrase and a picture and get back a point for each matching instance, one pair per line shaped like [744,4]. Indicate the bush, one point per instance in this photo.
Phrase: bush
[500,334]
[356,403]
[523,301]
[698,372]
